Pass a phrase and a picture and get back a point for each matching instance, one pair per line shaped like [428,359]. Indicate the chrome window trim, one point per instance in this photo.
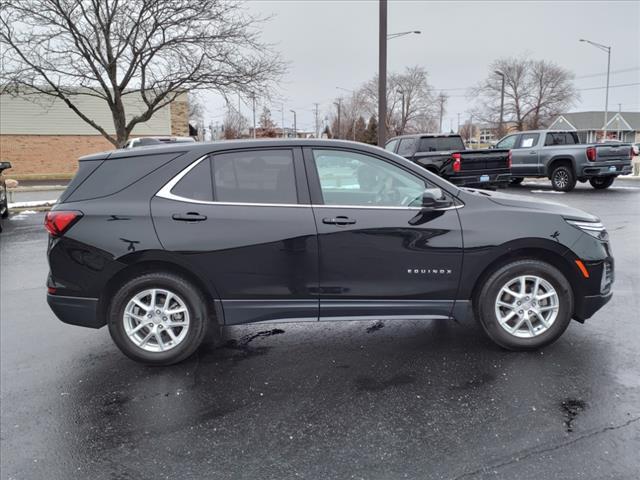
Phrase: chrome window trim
[165,192]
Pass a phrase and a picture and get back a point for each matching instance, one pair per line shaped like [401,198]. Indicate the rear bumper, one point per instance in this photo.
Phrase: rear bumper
[478,179]
[605,170]
[76,310]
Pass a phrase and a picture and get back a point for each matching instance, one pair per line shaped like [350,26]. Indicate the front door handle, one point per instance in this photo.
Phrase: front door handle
[341,220]
[188,217]
[533,153]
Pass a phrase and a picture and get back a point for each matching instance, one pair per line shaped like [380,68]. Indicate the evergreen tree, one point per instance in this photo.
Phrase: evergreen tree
[371,134]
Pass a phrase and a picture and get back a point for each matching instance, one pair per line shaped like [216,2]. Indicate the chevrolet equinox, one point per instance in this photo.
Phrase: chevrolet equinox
[165,244]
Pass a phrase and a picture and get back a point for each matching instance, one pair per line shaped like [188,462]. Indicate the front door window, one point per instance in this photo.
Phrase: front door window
[354,179]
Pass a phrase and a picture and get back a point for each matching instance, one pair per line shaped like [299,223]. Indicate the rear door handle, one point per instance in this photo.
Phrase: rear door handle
[341,220]
[188,217]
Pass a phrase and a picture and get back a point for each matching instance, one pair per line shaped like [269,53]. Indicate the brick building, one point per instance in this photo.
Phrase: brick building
[44,137]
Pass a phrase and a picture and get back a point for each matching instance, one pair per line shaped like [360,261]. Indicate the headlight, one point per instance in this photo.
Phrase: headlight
[595,229]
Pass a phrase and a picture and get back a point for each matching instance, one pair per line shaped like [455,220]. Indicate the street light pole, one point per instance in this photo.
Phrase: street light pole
[382,74]
[339,105]
[295,124]
[501,104]
[607,49]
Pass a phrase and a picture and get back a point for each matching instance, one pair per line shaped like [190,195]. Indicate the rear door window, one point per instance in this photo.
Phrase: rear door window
[407,147]
[529,140]
[255,176]
[560,138]
[440,144]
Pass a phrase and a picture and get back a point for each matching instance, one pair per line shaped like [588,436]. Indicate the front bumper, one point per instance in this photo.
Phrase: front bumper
[587,306]
[606,170]
[76,310]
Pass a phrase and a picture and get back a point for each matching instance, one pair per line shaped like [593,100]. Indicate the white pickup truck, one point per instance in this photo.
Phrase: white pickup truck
[561,157]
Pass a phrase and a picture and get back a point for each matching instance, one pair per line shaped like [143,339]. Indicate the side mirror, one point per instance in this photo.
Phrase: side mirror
[4,165]
[433,199]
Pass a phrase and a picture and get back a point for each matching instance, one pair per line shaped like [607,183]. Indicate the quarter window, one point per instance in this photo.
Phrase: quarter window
[260,176]
[196,184]
[348,178]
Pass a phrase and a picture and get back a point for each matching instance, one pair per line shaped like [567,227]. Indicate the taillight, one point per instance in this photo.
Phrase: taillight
[457,164]
[58,221]
[631,153]
[591,154]
[509,160]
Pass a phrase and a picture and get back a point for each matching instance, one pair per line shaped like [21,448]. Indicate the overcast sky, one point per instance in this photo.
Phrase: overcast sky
[333,43]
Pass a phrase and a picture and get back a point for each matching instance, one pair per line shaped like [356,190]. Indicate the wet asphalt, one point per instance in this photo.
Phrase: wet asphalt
[361,400]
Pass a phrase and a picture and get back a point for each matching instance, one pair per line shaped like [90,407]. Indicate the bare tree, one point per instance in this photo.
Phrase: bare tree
[235,124]
[409,100]
[468,130]
[535,91]
[111,49]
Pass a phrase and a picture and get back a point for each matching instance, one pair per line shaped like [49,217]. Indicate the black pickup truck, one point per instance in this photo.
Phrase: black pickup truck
[446,156]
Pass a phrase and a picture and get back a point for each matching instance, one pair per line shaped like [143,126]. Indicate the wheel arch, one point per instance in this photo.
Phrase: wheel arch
[137,265]
[561,160]
[563,262]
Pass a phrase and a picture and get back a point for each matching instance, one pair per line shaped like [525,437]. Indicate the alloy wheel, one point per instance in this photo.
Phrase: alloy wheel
[156,320]
[561,179]
[527,306]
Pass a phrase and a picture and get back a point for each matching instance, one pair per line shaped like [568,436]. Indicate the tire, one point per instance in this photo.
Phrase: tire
[524,338]
[563,179]
[600,183]
[185,295]
[516,180]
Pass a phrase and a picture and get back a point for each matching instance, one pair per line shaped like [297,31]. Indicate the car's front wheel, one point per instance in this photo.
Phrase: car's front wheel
[525,305]
[600,183]
[158,318]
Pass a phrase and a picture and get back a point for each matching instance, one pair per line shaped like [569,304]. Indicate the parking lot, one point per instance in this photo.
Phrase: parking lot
[361,400]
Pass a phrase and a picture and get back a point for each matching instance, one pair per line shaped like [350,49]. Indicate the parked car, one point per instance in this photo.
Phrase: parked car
[4,198]
[560,157]
[166,244]
[146,141]
[446,156]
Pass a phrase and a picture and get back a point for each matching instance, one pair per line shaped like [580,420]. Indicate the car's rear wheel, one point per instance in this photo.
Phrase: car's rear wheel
[158,318]
[563,179]
[525,304]
[600,183]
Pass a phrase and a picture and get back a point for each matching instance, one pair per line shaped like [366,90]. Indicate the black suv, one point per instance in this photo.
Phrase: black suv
[164,244]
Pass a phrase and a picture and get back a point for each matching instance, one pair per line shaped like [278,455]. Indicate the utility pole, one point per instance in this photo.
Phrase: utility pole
[382,74]
[339,105]
[500,125]
[403,120]
[239,118]
[458,131]
[295,124]
[441,98]
[254,115]
[282,111]
[316,115]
